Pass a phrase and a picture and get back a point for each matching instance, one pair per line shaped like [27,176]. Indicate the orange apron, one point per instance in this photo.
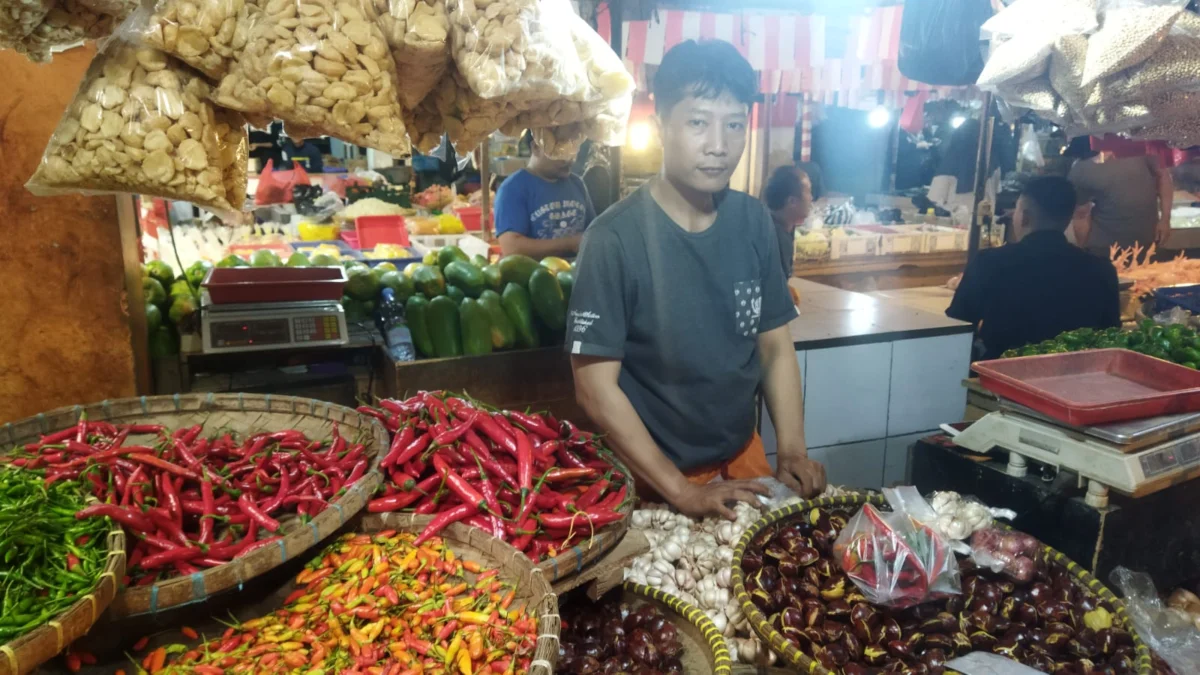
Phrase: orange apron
[750,462]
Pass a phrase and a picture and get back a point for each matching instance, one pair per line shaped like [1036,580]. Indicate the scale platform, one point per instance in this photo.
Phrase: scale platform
[230,328]
[1137,457]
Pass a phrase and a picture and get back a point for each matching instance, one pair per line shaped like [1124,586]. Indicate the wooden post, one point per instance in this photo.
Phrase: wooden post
[485,177]
[982,155]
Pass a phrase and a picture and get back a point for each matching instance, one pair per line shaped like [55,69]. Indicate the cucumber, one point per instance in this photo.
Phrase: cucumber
[519,309]
[548,300]
[515,269]
[466,276]
[415,311]
[476,328]
[444,328]
[504,333]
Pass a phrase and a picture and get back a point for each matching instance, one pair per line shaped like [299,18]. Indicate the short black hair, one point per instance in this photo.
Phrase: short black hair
[1052,200]
[703,69]
[785,181]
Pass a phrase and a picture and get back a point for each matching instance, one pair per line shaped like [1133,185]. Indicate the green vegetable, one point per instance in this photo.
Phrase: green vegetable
[515,269]
[548,299]
[476,329]
[466,276]
[415,315]
[444,327]
[493,277]
[455,293]
[154,291]
[429,280]
[504,333]
[448,254]
[401,285]
[519,309]
[567,281]
[163,343]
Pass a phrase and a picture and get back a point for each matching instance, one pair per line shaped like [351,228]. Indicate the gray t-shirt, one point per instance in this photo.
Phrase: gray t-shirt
[682,312]
[1125,192]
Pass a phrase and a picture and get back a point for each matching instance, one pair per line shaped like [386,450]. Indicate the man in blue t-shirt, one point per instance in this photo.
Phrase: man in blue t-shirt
[542,210]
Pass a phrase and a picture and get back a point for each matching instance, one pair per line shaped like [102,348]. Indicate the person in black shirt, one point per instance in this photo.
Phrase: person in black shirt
[1041,286]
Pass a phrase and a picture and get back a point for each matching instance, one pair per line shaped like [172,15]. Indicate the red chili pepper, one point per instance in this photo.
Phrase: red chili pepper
[206,518]
[444,519]
[164,465]
[564,522]
[592,495]
[135,521]
[56,437]
[392,502]
[613,501]
[524,464]
[567,475]
[256,515]
[488,426]
[533,424]
[452,435]
[458,485]
[180,554]
[166,525]
[489,496]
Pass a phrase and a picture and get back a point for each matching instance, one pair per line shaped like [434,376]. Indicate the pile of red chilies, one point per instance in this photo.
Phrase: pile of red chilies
[539,484]
[189,502]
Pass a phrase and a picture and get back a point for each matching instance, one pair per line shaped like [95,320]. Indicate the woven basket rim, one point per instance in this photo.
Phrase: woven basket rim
[718,650]
[207,583]
[21,656]
[795,657]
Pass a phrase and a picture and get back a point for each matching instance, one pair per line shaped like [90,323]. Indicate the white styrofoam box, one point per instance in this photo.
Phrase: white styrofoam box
[846,394]
[902,240]
[469,243]
[850,246]
[926,382]
[895,463]
[946,239]
[770,443]
[858,465]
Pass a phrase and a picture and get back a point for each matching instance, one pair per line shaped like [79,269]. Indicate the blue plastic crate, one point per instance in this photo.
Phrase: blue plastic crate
[1186,297]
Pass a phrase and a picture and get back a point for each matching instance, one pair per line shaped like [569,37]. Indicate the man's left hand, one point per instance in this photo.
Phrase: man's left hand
[805,476]
[1163,232]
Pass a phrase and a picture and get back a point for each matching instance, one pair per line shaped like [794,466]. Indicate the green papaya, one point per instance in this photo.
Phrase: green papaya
[415,311]
[476,328]
[429,280]
[466,276]
[444,328]
[448,254]
[455,293]
[567,281]
[515,269]
[548,300]
[493,277]
[519,309]
[504,333]
[479,261]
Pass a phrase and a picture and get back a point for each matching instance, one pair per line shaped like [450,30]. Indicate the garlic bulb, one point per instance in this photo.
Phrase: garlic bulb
[684,580]
[726,533]
[718,620]
[724,555]
[725,577]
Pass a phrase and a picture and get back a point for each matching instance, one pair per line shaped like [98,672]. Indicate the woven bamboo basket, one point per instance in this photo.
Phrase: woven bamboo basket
[235,412]
[471,543]
[851,503]
[41,644]
[704,649]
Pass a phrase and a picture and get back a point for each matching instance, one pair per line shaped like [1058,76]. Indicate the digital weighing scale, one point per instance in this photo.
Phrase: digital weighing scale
[229,328]
[1137,457]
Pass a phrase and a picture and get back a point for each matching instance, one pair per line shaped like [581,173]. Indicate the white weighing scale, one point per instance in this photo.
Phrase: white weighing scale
[1137,457]
[230,328]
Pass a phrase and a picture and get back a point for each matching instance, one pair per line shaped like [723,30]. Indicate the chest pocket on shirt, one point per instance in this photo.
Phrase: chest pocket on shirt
[747,307]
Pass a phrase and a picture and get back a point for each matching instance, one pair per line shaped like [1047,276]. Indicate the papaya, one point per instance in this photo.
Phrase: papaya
[428,279]
[548,300]
[519,309]
[515,269]
[466,276]
[493,277]
[448,254]
[476,328]
[567,281]
[415,314]
[455,293]
[504,333]
[444,327]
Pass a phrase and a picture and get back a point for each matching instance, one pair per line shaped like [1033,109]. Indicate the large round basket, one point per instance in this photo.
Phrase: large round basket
[246,413]
[571,562]
[41,644]
[704,649]
[851,503]
[471,543]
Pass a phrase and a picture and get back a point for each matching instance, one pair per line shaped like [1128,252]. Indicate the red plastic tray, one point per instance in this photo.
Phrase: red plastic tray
[242,285]
[1094,387]
[374,230]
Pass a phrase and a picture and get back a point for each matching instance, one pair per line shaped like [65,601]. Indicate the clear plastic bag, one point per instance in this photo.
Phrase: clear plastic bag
[68,22]
[18,18]
[417,32]
[516,49]
[1131,31]
[208,35]
[324,69]
[1061,17]
[141,123]
[1168,632]
[898,559]
[1006,551]
[606,126]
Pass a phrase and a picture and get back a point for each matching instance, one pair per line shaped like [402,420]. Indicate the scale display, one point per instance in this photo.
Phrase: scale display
[243,328]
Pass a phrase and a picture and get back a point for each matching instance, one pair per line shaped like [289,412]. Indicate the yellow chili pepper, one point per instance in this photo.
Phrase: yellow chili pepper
[464,663]
[455,645]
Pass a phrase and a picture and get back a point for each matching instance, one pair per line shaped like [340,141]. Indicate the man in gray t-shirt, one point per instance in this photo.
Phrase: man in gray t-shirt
[1131,200]
[680,308]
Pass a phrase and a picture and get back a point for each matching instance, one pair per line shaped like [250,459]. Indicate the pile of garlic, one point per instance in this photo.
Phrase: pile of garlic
[693,560]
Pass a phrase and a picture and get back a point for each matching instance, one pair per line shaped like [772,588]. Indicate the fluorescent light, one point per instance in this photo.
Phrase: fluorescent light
[957,121]
[878,118]
[639,136]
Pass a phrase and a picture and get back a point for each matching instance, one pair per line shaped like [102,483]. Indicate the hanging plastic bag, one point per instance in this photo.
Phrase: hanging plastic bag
[275,187]
[1168,632]
[324,70]
[516,49]
[142,123]
[1031,147]
[897,559]
[208,35]
[18,18]
[66,23]
[939,40]
[1131,31]
[417,32]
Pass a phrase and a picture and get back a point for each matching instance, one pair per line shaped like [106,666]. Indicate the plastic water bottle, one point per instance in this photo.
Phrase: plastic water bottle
[394,328]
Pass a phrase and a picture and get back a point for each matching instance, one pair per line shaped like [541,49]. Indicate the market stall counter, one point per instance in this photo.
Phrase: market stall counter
[877,375]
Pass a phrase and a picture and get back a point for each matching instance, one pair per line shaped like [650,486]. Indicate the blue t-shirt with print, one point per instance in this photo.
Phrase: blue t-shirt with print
[542,209]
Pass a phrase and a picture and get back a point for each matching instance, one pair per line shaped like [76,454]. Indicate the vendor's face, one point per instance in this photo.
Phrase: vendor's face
[800,206]
[553,169]
[703,140]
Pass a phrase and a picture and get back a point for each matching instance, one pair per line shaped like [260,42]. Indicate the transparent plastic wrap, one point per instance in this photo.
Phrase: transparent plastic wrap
[467,117]
[1130,32]
[1006,551]
[958,517]
[417,32]
[208,35]
[1169,632]
[1174,67]
[321,67]
[1061,17]
[141,123]
[516,49]
[18,18]
[606,127]
[67,23]
[898,559]
[1016,60]
[1066,70]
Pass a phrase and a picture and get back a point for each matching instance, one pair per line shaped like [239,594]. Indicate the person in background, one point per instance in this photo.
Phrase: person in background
[542,210]
[1131,202]
[789,197]
[1040,286]
[680,312]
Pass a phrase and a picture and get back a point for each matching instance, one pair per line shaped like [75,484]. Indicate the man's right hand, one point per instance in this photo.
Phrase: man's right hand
[701,501]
